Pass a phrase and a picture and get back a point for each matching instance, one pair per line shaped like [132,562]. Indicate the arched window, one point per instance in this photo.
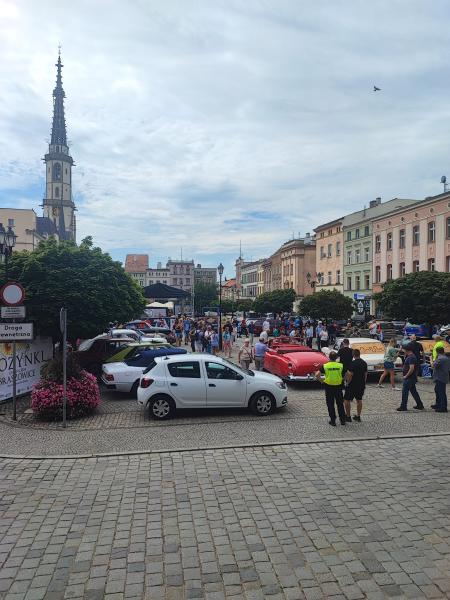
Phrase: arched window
[56,172]
[56,192]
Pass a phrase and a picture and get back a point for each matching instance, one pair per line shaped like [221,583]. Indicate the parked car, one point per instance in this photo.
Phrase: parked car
[124,376]
[91,354]
[292,361]
[205,381]
[420,331]
[132,349]
[372,351]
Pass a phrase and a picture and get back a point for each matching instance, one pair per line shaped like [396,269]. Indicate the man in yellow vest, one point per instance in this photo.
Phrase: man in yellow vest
[333,388]
[439,344]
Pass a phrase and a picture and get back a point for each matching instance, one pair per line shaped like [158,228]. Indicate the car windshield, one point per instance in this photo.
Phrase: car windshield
[85,345]
[238,368]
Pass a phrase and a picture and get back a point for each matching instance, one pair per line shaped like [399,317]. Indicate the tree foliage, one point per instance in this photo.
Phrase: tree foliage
[422,297]
[205,296]
[276,301]
[95,289]
[327,304]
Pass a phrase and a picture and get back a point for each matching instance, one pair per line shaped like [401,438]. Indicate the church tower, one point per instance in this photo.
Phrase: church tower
[58,205]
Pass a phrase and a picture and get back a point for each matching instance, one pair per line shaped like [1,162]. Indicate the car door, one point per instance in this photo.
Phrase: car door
[186,383]
[224,386]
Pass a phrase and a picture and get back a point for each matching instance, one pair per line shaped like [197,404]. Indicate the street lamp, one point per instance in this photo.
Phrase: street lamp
[7,242]
[220,270]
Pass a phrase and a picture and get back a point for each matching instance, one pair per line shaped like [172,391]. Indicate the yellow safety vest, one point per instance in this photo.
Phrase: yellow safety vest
[437,345]
[333,373]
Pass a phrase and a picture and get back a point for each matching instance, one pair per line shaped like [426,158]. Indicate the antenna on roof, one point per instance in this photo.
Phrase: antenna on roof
[444,182]
[240,248]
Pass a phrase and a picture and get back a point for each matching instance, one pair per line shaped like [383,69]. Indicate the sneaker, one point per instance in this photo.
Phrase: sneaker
[396,389]
[343,422]
[400,409]
[332,423]
[379,385]
[433,406]
[357,419]
[348,419]
[419,407]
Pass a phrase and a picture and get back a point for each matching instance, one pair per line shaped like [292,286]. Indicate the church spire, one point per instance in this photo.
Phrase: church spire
[59,135]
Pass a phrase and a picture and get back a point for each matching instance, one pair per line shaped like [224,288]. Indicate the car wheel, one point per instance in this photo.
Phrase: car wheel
[262,404]
[134,389]
[162,407]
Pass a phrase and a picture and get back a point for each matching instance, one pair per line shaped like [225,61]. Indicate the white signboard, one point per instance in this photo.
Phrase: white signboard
[29,360]
[16,331]
[13,312]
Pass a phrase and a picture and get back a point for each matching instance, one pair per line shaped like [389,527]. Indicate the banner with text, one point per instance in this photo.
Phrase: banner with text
[30,356]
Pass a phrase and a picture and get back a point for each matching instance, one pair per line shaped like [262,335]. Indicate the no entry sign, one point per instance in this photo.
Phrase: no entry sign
[12,294]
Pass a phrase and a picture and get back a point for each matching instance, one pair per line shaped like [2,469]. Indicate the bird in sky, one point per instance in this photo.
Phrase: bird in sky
[376,89]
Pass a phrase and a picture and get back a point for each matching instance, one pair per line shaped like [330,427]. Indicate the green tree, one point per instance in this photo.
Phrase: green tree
[95,289]
[205,296]
[244,304]
[422,297]
[276,301]
[327,304]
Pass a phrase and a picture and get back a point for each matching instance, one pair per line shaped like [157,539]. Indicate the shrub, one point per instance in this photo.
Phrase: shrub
[52,370]
[83,397]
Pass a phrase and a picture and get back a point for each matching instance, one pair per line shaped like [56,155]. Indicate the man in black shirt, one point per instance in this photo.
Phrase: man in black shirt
[417,348]
[356,384]
[345,355]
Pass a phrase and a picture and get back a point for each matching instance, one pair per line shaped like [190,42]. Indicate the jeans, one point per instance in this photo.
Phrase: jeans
[409,385]
[440,389]
[259,362]
[333,393]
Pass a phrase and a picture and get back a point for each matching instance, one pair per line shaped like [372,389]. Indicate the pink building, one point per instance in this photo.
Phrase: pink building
[415,238]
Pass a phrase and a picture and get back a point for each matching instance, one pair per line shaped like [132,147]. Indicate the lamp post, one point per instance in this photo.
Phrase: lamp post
[7,242]
[220,270]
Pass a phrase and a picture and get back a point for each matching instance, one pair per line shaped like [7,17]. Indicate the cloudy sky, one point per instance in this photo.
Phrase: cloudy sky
[195,124]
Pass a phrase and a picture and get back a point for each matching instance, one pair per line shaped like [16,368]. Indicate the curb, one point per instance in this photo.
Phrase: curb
[225,447]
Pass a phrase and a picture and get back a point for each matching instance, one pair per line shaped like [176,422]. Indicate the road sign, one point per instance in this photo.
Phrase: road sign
[13,312]
[63,319]
[359,296]
[12,294]
[19,332]
[360,307]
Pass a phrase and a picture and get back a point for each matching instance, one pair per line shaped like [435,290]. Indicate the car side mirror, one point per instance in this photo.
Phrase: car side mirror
[239,377]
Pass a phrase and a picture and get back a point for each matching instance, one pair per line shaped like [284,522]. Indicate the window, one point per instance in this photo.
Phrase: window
[338,248]
[357,255]
[447,264]
[56,192]
[329,278]
[377,274]
[349,236]
[357,282]
[431,232]
[292,269]
[174,281]
[367,281]
[329,250]
[431,264]
[349,257]
[56,172]
[349,282]
[189,370]
[389,272]
[218,371]
[366,254]
[402,269]
[322,252]
[377,244]
[338,277]
[448,227]
[402,237]
[389,241]
[416,266]
[357,234]
[416,235]
[11,223]
[366,230]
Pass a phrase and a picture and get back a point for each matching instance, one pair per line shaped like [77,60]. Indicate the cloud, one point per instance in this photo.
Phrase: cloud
[198,124]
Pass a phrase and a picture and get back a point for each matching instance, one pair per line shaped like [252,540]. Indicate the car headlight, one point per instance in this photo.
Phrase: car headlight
[281,385]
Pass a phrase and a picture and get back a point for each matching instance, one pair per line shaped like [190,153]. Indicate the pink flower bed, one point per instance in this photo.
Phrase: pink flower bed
[83,397]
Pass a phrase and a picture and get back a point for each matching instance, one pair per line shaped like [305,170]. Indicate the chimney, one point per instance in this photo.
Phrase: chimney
[158,266]
[375,202]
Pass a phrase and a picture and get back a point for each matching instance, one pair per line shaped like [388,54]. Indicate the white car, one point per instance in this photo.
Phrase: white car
[372,351]
[207,381]
[137,335]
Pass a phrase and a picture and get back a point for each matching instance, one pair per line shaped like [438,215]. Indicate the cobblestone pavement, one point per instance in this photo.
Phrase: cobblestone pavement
[348,520]
[122,426]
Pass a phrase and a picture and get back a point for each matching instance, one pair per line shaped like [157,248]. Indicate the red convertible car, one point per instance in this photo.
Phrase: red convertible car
[292,361]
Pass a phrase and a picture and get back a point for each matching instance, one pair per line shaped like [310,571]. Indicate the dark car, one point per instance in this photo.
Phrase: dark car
[92,353]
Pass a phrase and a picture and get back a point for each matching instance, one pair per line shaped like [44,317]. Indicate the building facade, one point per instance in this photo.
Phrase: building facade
[229,290]
[415,238]
[58,205]
[28,227]
[206,275]
[358,249]
[298,257]
[250,279]
[329,268]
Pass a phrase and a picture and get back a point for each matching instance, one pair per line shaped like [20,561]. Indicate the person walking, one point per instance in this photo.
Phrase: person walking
[251,331]
[245,356]
[324,338]
[215,343]
[309,335]
[198,339]
[441,368]
[390,355]
[373,330]
[410,369]
[439,344]
[333,388]
[260,352]
[417,348]
[356,378]
[207,335]
[226,342]
[192,334]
